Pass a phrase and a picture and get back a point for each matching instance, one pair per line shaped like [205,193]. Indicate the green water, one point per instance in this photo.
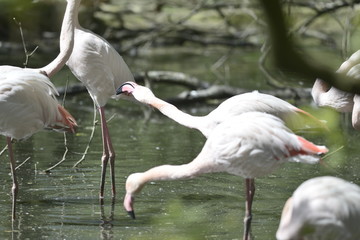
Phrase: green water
[64,204]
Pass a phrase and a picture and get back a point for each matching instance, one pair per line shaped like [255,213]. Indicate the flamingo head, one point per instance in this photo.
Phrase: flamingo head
[126,88]
[133,186]
[140,93]
[129,205]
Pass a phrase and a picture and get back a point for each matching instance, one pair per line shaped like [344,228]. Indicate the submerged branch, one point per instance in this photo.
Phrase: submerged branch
[63,158]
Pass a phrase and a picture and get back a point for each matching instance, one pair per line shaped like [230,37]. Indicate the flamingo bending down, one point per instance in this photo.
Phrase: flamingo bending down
[236,105]
[102,70]
[327,96]
[250,145]
[322,208]
[27,99]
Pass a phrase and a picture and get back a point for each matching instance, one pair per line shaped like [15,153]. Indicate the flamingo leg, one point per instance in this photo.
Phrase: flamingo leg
[250,191]
[15,185]
[108,154]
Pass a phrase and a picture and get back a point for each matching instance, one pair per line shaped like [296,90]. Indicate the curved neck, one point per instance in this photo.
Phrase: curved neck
[187,120]
[66,39]
[320,87]
[173,172]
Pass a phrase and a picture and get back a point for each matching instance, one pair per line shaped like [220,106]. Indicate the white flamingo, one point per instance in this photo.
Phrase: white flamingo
[27,99]
[327,96]
[250,145]
[322,208]
[247,102]
[102,70]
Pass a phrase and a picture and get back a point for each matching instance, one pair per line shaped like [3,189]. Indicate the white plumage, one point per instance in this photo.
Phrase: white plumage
[250,145]
[234,106]
[97,65]
[102,70]
[322,208]
[327,96]
[27,98]
[27,103]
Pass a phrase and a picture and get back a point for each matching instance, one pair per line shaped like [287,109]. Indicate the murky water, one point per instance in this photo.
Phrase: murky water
[63,204]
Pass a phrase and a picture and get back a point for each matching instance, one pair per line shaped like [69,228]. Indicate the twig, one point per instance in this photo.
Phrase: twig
[111,118]
[90,139]
[221,62]
[332,153]
[270,78]
[65,140]
[27,159]
[63,158]
[163,29]
[3,150]
[27,54]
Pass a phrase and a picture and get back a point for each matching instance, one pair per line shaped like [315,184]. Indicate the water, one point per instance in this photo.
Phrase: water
[63,204]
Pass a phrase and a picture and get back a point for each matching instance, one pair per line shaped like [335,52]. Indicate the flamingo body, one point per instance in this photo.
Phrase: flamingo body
[97,65]
[253,145]
[250,145]
[322,208]
[27,98]
[28,104]
[234,106]
[102,70]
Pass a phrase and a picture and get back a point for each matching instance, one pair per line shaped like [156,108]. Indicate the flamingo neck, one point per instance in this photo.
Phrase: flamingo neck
[166,172]
[185,119]
[320,87]
[66,39]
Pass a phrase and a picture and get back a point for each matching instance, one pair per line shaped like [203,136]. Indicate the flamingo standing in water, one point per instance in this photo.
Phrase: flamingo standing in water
[322,208]
[102,70]
[327,96]
[236,105]
[27,99]
[250,145]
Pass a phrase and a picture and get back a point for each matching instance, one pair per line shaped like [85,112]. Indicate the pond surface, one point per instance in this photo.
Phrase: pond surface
[64,204]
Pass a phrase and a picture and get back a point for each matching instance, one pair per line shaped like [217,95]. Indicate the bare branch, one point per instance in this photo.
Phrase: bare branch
[90,140]
[27,54]
[62,159]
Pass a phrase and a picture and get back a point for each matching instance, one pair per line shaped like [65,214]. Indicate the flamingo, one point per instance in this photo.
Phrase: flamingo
[322,208]
[102,70]
[325,95]
[247,102]
[27,99]
[249,145]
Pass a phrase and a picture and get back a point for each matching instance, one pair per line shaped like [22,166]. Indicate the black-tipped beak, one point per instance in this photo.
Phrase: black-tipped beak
[120,89]
[131,214]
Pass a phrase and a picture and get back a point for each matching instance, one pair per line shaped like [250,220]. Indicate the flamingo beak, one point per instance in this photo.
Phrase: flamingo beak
[126,88]
[128,205]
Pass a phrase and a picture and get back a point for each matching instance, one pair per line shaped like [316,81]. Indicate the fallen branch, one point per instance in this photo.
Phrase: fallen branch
[222,91]
[198,90]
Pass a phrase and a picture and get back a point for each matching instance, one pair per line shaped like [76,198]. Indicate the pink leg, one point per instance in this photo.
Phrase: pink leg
[250,191]
[15,185]
[108,154]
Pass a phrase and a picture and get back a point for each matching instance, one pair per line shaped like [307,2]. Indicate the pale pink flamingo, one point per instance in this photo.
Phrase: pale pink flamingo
[27,99]
[328,96]
[247,102]
[322,208]
[102,70]
[250,145]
